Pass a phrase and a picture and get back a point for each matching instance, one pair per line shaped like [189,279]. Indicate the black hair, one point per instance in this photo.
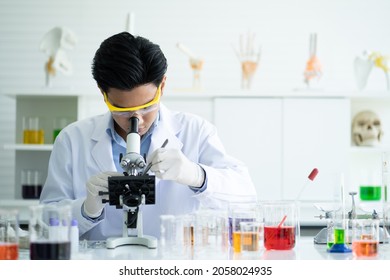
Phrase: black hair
[124,61]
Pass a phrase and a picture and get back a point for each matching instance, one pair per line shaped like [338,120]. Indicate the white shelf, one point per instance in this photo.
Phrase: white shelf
[368,150]
[28,147]
[42,92]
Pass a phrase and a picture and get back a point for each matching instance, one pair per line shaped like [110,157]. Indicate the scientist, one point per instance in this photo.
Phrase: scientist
[193,170]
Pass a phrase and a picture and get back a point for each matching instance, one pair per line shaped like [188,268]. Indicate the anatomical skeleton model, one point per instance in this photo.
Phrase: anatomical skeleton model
[364,63]
[54,44]
[196,64]
[367,129]
[248,58]
[313,65]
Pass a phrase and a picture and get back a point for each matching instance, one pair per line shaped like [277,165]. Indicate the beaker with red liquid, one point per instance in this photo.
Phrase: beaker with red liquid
[279,238]
[280,225]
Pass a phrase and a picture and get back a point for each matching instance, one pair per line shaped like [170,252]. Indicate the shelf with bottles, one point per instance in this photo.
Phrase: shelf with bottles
[38,118]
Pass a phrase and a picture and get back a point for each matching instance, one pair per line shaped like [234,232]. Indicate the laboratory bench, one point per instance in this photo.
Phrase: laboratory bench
[305,249]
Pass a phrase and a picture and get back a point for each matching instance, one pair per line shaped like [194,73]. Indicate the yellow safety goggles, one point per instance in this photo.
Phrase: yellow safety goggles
[113,108]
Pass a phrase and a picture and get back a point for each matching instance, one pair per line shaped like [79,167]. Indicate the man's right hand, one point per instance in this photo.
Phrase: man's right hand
[93,205]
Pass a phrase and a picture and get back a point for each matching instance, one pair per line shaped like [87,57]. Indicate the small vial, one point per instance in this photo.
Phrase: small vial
[54,229]
[74,237]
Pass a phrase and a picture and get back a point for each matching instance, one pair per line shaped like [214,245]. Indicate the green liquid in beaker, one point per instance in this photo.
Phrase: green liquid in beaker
[339,236]
[329,244]
[55,133]
[370,193]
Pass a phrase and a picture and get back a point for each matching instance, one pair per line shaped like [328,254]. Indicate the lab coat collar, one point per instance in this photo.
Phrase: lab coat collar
[102,150]
[168,128]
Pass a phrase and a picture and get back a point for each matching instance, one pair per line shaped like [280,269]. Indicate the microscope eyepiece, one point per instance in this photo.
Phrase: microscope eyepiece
[133,125]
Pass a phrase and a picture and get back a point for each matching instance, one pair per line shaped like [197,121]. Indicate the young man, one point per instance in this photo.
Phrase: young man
[192,170]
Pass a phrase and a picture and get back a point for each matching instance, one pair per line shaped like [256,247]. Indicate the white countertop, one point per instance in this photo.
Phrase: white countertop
[305,249]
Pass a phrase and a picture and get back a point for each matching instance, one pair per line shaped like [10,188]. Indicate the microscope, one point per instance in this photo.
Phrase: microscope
[130,191]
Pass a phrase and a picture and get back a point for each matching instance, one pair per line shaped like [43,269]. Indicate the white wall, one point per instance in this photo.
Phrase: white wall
[345,28]
[209,28]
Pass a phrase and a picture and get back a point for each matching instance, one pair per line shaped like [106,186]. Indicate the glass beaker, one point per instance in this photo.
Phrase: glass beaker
[49,232]
[32,132]
[370,186]
[280,225]
[241,212]
[341,233]
[59,124]
[9,234]
[365,237]
[31,184]
[168,238]
[251,236]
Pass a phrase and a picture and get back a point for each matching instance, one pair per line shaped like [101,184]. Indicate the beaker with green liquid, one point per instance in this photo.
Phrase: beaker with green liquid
[338,239]
[370,193]
[58,125]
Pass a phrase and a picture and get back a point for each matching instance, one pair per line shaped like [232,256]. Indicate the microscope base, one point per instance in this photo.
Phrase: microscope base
[146,240]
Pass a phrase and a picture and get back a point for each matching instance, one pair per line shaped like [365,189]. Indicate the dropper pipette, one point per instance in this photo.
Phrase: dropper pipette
[309,179]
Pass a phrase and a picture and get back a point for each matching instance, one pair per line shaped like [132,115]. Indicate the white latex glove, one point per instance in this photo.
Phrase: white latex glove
[93,205]
[172,164]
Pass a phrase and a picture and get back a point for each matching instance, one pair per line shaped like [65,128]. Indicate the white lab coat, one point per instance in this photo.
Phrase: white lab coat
[84,149]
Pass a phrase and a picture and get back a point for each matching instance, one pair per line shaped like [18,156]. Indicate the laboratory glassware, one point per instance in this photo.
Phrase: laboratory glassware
[237,213]
[31,183]
[49,232]
[59,124]
[280,225]
[365,237]
[32,131]
[9,234]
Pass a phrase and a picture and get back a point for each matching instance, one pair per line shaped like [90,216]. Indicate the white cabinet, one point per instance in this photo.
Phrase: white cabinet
[282,139]
[316,134]
[251,130]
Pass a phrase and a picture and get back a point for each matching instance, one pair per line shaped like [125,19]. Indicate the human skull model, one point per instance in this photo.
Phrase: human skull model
[366,129]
